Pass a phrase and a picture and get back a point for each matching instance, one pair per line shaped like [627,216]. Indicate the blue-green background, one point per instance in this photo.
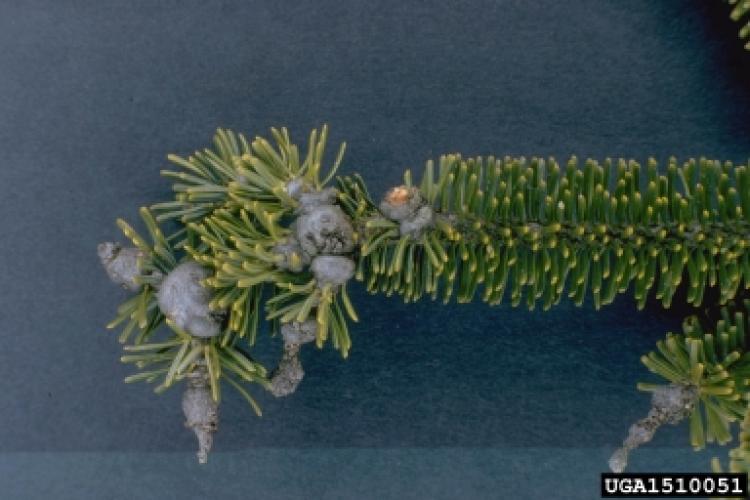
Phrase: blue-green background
[434,402]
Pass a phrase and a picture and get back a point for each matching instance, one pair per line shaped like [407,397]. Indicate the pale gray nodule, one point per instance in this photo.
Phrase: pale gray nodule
[311,199]
[200,409]
[674,401]
[406,206]
[418,222]
[184,300]
[325,229]
[121,264]
[619,460]
[289,373]
[299,333]
[403,206]
[287,248]
[334,270]
[669,404]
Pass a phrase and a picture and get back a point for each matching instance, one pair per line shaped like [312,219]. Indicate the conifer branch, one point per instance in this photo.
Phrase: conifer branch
[264,237]
[533,230]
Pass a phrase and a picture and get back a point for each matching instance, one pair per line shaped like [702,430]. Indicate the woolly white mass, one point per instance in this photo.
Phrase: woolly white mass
[184,300]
